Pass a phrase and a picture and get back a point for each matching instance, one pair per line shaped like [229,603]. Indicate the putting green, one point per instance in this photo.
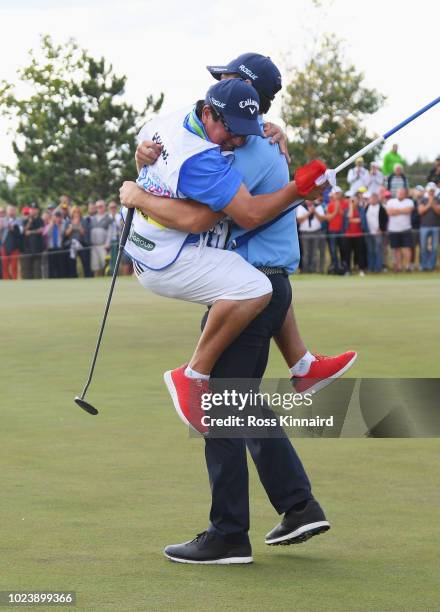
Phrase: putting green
[87,503]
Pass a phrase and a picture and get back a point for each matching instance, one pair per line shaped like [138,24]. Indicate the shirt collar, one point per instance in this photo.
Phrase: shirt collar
[193,124]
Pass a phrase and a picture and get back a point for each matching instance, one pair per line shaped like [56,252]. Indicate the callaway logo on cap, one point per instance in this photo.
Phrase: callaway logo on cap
[265,76]
[238,104]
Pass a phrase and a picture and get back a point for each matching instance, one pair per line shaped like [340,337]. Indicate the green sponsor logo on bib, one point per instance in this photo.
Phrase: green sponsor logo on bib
[141,242]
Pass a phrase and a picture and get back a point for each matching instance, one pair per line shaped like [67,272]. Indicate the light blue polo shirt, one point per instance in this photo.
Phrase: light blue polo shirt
[264,170]
[209,178]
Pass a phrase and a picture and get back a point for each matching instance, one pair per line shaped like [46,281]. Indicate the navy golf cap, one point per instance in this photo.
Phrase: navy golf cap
[259,69]
[238,104]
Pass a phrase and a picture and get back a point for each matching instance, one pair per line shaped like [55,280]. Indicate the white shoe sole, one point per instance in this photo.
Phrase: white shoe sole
[325,382]
[226,561]
[301,533]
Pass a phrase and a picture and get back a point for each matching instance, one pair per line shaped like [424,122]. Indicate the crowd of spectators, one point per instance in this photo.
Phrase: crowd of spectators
[379,223]
[53,242]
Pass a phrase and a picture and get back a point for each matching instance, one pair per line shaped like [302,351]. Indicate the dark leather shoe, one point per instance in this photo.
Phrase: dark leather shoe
[208,548]
[299,525]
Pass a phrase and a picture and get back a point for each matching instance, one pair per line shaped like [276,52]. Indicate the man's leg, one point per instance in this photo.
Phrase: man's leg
[309,373]
[226,320]
[14,264]
[25,266]
[226,539]
[370,252]
[279,467]
[237,292]
[226,458]
[331,241]
[424,251]
[434,246]
[4,263]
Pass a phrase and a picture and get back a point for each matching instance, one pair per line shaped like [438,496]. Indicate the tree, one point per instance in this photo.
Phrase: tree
[73,132]
[324,108]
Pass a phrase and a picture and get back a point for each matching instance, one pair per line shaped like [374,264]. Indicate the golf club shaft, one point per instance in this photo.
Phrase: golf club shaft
[383,138]
[122,242]
[379,140]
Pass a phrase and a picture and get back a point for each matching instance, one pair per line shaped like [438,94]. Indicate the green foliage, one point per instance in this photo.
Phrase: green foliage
[73,132]
[325,105]
[417,172]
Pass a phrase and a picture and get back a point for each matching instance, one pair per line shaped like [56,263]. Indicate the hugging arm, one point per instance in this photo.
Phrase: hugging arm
[183,215]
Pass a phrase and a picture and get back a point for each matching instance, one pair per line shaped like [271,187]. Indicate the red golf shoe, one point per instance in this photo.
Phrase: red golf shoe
[323,371]
[186,394]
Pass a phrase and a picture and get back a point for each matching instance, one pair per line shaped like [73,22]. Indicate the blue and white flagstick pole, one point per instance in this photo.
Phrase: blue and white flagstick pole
[382,139]
[377,141]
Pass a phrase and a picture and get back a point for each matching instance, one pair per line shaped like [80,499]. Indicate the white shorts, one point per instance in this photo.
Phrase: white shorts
[97,258]
[206,276]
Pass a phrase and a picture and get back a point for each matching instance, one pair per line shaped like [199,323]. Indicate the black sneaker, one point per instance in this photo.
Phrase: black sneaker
[208,548]
[298,525]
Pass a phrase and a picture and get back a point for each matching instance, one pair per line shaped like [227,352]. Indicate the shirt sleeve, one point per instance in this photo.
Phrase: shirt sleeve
[209,178]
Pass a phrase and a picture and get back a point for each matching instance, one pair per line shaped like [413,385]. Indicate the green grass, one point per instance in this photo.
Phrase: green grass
[88,503]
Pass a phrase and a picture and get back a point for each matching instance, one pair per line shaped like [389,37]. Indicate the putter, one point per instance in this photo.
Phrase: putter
[79,400]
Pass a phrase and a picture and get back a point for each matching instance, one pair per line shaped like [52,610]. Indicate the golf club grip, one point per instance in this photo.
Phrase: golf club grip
[127,226]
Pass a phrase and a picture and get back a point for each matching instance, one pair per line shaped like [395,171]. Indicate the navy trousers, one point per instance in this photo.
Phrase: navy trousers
[279,467]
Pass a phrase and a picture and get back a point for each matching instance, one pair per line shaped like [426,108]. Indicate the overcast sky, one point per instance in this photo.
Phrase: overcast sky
[165,46]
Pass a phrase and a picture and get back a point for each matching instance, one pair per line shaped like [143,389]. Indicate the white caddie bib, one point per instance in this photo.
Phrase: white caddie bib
[150,243]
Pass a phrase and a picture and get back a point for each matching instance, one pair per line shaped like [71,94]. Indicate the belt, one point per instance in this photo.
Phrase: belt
[269,271]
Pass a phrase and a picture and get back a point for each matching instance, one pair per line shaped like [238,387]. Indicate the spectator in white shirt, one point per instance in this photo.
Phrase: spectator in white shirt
[100,236]
[375,178]
[357,177]
[399,211]
[310,217]
[376,218]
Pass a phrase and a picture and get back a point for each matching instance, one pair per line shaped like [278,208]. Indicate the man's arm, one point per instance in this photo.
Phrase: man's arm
[251,211]
[321,216]
[423,208]
[183,215]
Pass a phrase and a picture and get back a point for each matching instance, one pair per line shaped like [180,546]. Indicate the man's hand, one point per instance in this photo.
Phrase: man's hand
[130,194]
[277,136]
[147,153]
[317,191]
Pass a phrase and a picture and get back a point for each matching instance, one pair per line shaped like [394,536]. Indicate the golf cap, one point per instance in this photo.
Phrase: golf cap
[238,104]
[431,186]
[34,205]
[359,160]
[259,69]
[336,190]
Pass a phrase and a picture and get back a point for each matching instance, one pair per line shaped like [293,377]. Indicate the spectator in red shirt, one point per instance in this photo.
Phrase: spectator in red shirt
[335,218]
[354,242]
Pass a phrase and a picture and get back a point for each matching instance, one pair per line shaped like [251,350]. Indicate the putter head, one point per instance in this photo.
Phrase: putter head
[85,405]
